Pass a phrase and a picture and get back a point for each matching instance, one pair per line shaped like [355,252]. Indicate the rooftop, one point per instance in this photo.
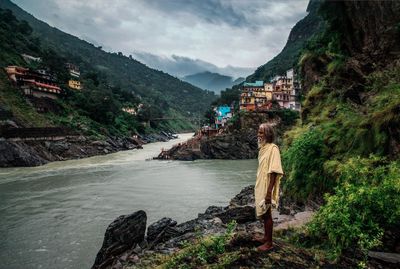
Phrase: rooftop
[258,83]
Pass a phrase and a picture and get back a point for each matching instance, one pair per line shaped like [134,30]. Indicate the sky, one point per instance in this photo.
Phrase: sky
[179,36]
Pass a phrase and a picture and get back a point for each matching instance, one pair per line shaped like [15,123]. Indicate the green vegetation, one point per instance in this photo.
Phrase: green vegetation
[111,83]
[365,204]
[303,162]
[344,150]
[206,251]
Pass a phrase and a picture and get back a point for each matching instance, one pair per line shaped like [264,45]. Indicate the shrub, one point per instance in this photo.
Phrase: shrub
[205,250]
[303,163]
[366,202]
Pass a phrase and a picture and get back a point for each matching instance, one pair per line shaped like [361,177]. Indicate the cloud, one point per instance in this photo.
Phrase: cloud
[182,66]
[235,33]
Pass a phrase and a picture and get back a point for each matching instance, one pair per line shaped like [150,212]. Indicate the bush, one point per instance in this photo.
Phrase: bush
[205,251]
[303,163]
[366,202]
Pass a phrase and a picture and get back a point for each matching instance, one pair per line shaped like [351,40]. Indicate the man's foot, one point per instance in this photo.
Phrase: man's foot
[265,247]
[260,239]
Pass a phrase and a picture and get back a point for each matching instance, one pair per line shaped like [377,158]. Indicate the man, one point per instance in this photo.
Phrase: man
[269,174]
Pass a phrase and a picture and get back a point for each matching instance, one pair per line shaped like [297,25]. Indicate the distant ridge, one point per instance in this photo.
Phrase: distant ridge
[212,81]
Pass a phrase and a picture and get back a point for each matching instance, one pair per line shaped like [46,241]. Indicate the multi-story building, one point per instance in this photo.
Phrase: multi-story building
[33,83]
[259,95]
[255,96]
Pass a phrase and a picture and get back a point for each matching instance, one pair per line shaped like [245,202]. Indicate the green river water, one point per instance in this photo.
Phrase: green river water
[54,216]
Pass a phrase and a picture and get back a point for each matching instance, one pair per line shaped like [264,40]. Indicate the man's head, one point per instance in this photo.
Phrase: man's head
[266,134]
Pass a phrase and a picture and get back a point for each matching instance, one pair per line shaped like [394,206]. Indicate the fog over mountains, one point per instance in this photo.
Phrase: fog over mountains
[182,66]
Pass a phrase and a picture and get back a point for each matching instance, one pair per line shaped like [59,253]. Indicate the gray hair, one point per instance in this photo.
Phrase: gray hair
[269,132]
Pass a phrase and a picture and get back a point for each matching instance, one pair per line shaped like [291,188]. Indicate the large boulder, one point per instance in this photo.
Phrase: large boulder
[157,228]
[122,234]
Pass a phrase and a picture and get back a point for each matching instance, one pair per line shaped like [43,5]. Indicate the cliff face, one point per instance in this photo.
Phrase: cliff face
[355,63]
[370,29]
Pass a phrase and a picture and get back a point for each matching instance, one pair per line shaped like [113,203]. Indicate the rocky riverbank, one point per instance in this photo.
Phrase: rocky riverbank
[127,245]
[237,141]
[24,153]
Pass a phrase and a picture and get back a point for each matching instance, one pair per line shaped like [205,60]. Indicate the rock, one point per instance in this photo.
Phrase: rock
[210,212]
[240,214]
[122,234]
[216,221]
[158,227]
[100,143]
[245,197]
[19,154]
[58,147]
[393,258]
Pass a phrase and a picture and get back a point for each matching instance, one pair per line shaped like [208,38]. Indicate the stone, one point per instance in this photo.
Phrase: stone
[59,147]
[241,214]
[244,197]
[158,227]
[393,258]
[19,154]
[210,212]
[122,234]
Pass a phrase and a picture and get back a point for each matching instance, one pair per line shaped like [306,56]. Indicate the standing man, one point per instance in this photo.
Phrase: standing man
[269,174]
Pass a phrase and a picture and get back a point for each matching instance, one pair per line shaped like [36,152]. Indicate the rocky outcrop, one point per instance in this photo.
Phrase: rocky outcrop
[238,141]
[18,154]
[122,245]
[122,234]
[38,152]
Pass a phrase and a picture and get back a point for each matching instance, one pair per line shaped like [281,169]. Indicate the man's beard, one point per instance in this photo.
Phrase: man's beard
[260,142]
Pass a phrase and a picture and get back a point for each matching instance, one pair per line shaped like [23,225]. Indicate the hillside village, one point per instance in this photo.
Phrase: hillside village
[281,92]
[41,86]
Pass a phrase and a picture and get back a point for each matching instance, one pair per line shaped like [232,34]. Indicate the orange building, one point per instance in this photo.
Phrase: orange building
[34,83]
[255,96]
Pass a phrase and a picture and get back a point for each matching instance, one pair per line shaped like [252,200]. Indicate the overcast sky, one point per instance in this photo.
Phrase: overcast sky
[240,33]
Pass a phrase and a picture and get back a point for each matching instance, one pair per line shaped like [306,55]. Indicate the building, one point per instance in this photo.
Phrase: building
[258,96]
[73,70]
[255,96]
[33,83]
[30,58]
[74,84]
[129,110]
[222,114]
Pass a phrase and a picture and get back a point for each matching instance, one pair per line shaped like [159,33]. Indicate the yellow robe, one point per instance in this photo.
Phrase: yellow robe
[269,161]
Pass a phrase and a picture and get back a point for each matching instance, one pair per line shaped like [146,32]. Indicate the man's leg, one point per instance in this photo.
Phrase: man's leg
[268,225]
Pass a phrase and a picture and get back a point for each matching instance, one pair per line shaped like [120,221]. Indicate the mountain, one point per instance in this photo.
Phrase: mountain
[165,93]
[308,27]
[181,66]
[212,81]
[299,35]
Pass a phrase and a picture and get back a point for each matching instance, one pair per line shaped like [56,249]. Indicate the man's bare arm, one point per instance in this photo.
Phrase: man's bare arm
[270,188]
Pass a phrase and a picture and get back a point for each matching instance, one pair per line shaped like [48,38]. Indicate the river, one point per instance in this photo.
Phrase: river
[54,216]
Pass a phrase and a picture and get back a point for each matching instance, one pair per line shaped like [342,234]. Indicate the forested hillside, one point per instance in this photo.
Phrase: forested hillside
[162,94]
